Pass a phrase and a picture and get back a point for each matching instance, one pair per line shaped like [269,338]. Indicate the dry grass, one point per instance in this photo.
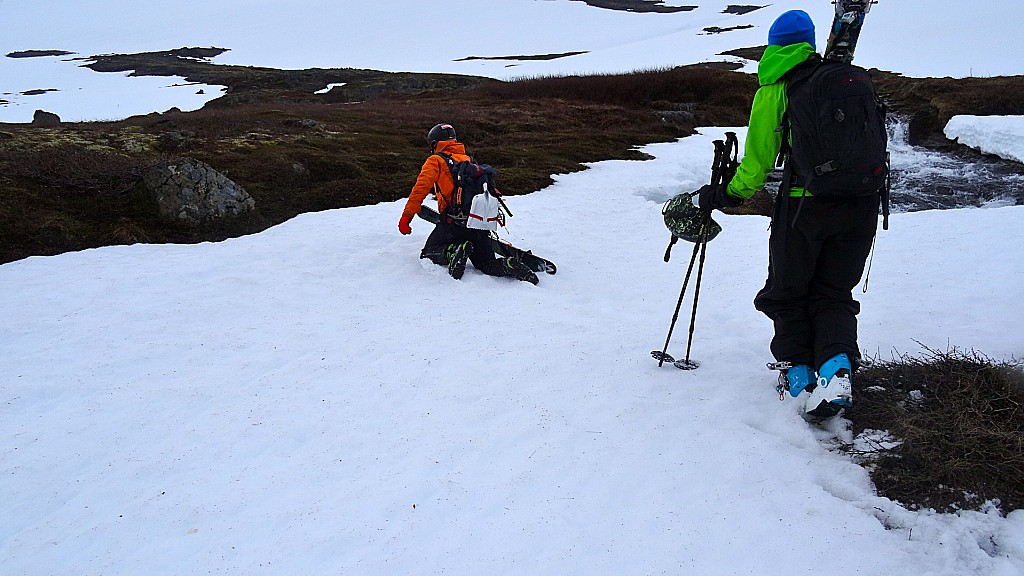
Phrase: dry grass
[959,418]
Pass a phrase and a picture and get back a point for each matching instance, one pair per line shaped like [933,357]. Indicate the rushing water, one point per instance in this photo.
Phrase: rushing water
[925,179]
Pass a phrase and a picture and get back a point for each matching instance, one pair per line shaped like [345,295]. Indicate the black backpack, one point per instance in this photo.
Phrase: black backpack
[837,125]
[475,201]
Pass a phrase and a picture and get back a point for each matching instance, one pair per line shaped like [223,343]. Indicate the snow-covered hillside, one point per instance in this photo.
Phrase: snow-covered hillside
[914,37]
[317,400]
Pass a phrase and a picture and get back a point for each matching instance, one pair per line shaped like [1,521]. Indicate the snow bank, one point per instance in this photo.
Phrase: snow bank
[999,135]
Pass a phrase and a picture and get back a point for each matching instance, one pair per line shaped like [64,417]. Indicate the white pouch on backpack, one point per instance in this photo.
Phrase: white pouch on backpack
[483,213]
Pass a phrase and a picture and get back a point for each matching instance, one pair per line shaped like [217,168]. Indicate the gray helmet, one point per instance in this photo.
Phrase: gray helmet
[683,219]
[439,133]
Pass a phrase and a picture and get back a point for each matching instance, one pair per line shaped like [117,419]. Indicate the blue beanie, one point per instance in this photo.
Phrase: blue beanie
[792,27]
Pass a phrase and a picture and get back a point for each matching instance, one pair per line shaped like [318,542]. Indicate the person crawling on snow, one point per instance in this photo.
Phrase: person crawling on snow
[451,243]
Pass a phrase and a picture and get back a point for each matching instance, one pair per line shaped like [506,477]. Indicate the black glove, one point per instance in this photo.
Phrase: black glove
[715,196]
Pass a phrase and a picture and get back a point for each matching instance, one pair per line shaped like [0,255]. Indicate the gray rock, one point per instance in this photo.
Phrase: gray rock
[44,118]
[176,139]
[677,117]
[679,114]
[312,124]
[192,192]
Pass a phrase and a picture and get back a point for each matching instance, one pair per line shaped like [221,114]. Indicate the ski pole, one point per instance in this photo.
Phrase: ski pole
[723,168]
[679,304]
[726,157]
[497,196]
[703,241]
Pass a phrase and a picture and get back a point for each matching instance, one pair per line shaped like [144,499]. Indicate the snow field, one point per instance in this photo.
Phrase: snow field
[316,399]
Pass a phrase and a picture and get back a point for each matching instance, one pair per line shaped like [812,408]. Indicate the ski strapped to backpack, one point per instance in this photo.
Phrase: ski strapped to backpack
[842,38]
[476,201]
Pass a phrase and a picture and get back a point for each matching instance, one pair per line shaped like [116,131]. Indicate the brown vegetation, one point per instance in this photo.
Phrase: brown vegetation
[73,186]
[70,187]
[958,419]
[638,6]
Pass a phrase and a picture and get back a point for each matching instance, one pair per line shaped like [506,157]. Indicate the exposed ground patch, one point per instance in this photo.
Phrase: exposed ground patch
[954,430]
[638,6]
[72,187]
[38,91]
[740,9]
[717,30]
[37,53]
[524,57]
[252,84]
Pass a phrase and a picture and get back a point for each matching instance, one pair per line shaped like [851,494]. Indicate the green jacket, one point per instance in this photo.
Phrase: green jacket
[764,135]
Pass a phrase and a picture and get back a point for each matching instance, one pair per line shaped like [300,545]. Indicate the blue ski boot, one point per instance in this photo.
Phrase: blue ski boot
[794,379]
[834,389]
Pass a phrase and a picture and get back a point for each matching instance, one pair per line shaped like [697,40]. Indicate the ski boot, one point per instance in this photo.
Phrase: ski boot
[457,255]
[834,389]
[792,378]
[514,268]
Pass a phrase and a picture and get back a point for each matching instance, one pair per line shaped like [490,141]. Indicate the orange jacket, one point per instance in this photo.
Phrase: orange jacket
[435,172]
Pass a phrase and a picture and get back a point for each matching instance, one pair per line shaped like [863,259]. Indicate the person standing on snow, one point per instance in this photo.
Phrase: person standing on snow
[818,246]
[451,244]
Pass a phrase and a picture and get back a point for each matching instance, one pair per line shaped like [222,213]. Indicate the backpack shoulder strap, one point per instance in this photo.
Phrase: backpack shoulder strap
[797,74]
[803,70]
[453,166]
[446,157]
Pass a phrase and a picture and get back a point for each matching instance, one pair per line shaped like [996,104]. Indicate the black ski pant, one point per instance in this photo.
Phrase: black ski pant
[816,255]
[446,233]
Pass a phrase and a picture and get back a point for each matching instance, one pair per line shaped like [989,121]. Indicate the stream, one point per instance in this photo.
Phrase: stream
[926,179]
